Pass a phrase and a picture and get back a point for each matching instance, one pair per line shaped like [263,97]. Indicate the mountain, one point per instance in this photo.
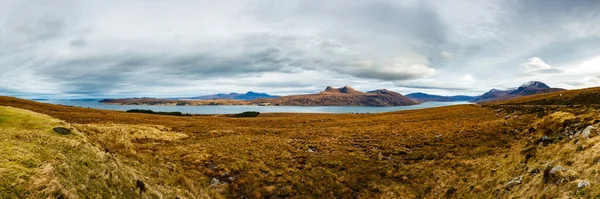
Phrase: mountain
[424,97]
[236,96]
[529,88]
[587,96]
[345,96]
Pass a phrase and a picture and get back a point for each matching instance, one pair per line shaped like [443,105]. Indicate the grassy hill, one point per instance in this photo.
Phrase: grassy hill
[36,162]
[464,151]
[588,96]
[345,96]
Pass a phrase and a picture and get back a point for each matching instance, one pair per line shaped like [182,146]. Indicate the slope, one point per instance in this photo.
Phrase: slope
[345,96]
[588,96]
[36,162]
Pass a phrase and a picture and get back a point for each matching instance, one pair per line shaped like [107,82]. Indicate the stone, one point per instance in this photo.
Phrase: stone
[438,136]
[583,184]
[215,182]
[514,182]
[62,130]
[556,169]
[534,171]
[310,150]
[587,131]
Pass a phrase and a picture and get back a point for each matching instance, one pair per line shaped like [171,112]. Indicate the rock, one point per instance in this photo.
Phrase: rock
[310,150]
[61,130]
[583,184]
[514,182]
[556,169]
[438,136]
[587,131]
[215,182]
[534,171]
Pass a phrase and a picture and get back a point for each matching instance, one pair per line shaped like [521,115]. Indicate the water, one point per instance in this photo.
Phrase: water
[238,109]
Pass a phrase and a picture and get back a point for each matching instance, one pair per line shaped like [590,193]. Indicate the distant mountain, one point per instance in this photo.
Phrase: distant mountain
[424,97]
[236,96]
[529,88]
[345,96]
[587,96]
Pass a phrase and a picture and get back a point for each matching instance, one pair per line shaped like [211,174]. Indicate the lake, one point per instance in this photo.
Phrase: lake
[238,109]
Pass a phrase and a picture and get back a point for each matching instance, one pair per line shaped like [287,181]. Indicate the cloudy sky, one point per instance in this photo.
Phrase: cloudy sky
[114,48]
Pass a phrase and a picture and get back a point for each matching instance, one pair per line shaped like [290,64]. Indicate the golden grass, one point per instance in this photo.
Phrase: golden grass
[390,155]
[587,96]
[35,162]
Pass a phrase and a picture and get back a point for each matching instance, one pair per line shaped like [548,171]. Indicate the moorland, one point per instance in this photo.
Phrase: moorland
[530,147]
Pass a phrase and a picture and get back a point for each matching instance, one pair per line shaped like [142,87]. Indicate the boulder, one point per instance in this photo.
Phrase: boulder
[61,130]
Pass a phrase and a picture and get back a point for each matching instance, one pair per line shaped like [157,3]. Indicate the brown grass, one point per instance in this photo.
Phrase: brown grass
[588,96]
[390,155]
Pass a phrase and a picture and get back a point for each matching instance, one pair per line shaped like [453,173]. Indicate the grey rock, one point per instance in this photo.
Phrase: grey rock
[62,130]
[583,184]
[215,182]
[556,169]
[514,182]
[310,150]
[587,131]
[438,136]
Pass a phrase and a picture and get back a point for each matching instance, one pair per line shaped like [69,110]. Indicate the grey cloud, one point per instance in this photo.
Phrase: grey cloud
[431,87]
[76,48]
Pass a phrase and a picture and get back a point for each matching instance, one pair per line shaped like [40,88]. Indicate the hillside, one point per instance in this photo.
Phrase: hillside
[345,96]
[424,97]
[36,162]
[235,96]
[588,96]
[529,88]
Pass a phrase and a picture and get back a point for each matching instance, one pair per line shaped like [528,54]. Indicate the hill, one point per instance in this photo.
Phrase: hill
[424,97]
[37,162]
[588,96]
[463,151]
[172,102]
[235,96]
[345,96]
[529,88]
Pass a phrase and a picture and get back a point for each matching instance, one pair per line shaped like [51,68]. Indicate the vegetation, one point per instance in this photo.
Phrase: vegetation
[157,112]
[36,162]
[588,96]
[247,114]
[464,151]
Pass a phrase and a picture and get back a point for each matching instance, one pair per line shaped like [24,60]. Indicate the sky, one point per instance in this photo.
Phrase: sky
[159,48]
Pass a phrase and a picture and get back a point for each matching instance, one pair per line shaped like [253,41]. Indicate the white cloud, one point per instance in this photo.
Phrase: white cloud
[535,64]
[467,79]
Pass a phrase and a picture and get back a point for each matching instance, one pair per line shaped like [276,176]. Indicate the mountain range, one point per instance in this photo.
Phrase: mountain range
[529,88]
[345,96]
[250,95]
[424,97]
